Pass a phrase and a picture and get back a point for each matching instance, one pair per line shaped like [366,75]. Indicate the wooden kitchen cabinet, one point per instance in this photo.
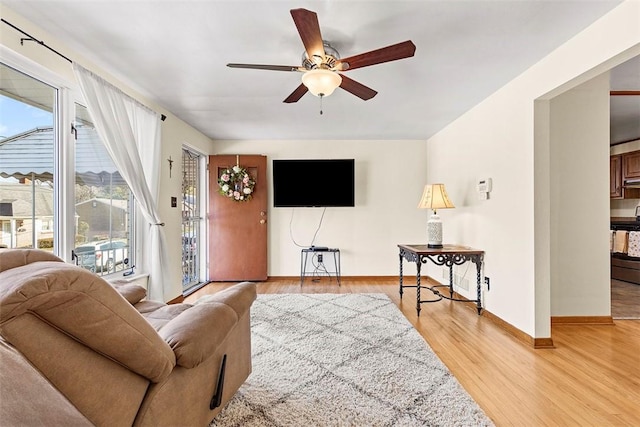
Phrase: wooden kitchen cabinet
[631,165]
[615,181]
[624,167]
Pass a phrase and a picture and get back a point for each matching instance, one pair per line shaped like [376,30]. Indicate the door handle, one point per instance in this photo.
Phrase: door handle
[263,221]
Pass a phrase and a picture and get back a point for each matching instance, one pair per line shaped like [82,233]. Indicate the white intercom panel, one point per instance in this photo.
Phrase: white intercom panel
[484,188]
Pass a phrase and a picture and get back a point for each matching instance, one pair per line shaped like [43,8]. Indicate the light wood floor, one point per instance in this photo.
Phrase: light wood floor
[625,300]
[591,378]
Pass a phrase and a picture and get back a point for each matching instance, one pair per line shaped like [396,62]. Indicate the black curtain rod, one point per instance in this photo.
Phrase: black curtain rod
[41,43]
[31,38]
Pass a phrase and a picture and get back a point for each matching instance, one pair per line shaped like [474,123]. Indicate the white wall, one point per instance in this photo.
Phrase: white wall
[496,139]
[579,216]
[175,132]
[390,176]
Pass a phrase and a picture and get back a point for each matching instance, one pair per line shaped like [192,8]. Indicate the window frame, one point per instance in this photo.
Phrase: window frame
[67,95]
[63,163]
[131,203]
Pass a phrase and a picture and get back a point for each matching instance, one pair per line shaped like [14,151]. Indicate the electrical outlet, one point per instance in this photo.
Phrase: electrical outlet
[487,282]
[319,257]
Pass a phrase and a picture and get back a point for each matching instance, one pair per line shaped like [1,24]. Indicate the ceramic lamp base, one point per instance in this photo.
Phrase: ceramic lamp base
[434,231]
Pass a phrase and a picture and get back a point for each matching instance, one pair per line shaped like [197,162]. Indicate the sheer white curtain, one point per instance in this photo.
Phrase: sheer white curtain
[131,134]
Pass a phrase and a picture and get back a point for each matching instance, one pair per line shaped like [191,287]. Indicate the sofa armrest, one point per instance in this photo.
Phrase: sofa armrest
[195,333]
[239,297]
[86,308]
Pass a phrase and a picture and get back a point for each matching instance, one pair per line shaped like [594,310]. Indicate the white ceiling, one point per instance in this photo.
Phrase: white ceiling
[175,53]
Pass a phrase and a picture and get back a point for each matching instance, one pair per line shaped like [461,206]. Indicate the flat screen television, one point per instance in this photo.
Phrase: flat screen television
[313,183]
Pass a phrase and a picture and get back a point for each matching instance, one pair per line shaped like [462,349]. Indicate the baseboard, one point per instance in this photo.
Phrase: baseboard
[582,320]
[517,333]
[279,278]
[543,343]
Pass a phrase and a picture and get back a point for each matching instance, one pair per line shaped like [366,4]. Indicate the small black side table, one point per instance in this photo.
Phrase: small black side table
[448,255]
[318,262]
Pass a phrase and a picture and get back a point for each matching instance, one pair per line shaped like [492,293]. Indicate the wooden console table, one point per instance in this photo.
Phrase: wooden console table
[448,256]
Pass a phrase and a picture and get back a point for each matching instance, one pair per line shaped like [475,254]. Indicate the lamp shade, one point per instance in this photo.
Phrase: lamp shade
[435,197]
[321,82]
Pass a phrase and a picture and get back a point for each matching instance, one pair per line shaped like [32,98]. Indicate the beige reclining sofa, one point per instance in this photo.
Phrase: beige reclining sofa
[75,350]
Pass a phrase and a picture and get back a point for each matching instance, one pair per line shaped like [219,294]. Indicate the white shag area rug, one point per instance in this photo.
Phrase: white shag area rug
[344,360]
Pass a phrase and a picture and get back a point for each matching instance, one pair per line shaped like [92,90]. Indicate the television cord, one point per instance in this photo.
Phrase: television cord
[319,268]
[314,234]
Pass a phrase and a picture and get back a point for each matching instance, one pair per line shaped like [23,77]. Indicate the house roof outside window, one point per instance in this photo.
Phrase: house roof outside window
[30,155]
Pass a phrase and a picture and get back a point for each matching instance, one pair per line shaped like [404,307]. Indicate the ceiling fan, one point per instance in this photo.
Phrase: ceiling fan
[321,63]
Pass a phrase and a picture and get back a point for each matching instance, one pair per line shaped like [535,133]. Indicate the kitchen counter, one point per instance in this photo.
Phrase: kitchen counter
[630,221]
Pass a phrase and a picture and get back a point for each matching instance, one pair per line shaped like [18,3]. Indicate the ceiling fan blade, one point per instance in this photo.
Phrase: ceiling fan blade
[309,29]
[358,89]
[267,67]
[390,53]
[296,94]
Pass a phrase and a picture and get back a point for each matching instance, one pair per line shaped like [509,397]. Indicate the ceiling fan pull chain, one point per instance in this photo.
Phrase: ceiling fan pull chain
[321,96]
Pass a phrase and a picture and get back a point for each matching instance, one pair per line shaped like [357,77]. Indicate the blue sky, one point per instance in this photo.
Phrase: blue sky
[17,117]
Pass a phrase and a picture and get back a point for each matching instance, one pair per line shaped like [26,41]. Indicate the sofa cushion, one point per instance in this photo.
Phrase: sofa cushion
[132,293]
[162,314]
[148,306]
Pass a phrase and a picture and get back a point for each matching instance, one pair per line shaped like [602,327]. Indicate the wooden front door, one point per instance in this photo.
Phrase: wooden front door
[238,230]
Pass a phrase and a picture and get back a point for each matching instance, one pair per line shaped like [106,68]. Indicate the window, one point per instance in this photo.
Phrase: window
[192,222]
[27,175]
[103,204]
[40,201]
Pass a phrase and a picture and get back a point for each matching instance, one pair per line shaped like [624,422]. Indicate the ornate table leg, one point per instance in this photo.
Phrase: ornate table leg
[451,281]
[478,262]
[418,266]
[400,273]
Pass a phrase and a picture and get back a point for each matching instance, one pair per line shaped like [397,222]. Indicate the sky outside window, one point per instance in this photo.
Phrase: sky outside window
[17,117]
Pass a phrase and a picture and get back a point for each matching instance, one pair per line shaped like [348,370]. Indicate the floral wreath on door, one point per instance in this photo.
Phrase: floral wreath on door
[236,183]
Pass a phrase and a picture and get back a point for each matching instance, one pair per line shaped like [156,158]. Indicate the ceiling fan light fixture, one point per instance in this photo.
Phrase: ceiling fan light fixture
[321,82]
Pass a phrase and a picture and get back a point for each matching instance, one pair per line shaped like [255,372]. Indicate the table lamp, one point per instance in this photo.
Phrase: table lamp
[434,197]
